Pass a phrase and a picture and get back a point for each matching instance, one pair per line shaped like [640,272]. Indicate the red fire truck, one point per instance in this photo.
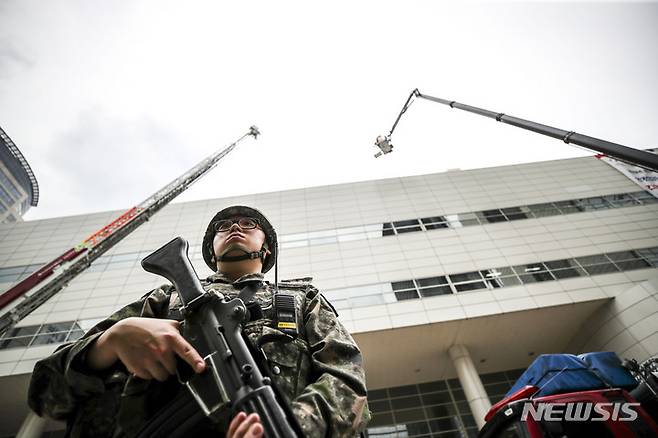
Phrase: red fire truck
[562,398]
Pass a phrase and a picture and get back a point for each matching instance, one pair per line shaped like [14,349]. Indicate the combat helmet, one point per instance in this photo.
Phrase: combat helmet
[269,259]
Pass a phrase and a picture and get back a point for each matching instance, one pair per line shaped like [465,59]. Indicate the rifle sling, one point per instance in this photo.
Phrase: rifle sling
[248,292]
[247,295]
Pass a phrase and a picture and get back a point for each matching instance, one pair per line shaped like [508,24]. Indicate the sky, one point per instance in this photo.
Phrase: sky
[110,100]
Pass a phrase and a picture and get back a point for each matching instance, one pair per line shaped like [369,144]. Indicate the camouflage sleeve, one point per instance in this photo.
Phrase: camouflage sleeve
[335,404]
[60,381]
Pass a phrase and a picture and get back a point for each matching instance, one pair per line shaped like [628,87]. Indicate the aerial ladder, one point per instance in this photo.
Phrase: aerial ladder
[636,157]
[74,261]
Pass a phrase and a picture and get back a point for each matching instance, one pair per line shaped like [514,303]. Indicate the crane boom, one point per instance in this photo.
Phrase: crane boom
[83,254]
[620,152]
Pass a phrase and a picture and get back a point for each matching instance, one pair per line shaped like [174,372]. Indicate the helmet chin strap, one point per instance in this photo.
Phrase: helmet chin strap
[246,256]
[254,255]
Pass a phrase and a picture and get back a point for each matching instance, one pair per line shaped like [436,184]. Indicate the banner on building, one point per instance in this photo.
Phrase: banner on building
[646,179]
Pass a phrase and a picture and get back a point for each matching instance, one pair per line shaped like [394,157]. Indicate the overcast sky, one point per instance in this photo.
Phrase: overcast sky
[110,100]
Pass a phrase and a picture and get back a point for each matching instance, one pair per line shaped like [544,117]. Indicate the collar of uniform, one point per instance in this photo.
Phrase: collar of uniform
[220,277]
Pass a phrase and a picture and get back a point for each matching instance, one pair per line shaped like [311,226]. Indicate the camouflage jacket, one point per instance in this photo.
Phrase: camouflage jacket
[320,373]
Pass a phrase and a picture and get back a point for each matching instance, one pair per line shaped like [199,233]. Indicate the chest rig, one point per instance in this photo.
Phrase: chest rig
[279,310]
[274,319]
[283,311]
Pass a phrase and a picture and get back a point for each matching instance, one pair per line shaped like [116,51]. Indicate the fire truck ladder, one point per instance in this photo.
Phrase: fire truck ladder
[77,259]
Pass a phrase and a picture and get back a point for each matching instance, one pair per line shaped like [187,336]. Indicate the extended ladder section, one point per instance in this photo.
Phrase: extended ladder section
[77,259]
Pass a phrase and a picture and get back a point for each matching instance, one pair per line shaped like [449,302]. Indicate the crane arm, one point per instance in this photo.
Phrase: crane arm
[627,154]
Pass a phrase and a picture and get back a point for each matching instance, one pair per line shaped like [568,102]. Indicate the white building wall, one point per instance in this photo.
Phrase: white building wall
[627,325]
[95,294]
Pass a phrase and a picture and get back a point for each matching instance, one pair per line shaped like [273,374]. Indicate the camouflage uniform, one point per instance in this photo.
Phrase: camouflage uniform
[320,373]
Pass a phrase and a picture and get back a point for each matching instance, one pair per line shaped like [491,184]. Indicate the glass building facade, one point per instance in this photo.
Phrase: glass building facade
[19,189]
[431,409]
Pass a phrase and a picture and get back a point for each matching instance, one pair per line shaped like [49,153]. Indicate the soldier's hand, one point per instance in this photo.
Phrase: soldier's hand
[245,426]
[146,346]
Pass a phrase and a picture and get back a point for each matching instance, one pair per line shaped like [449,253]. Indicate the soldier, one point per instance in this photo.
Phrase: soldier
[114,379]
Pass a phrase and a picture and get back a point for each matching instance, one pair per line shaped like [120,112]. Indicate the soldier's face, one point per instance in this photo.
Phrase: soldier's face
[236,240]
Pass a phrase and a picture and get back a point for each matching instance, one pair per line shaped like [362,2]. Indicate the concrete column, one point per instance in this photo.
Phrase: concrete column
[32,426]
[471,384]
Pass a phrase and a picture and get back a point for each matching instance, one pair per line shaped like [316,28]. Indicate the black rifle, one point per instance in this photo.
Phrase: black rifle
[213,325]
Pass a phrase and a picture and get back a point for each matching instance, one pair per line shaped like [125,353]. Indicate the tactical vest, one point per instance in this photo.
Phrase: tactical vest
[277,330]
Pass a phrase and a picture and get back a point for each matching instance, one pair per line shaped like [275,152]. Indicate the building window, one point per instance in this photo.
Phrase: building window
[404,290]
[5,197]
[505,276]
[407,226]
[387,229]
[434,222]
[16,273]
[462,220]
[516,213]
[597,264]
[630,260]
[622,200]
[533,273]
[590,204]
[374,231]
[432,286]
[644,197]
[500,277]
[650,255]
[6,182]
[543,210]
[463,287]
[467,281]
[491,216]
[437,408]
[568,207]
[566,268]
[44,334]
[629,265]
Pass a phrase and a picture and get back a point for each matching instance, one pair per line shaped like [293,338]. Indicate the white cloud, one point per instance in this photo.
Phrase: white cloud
[321,81]
[102,163]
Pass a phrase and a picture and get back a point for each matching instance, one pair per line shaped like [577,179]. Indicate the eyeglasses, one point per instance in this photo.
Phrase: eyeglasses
[246,223]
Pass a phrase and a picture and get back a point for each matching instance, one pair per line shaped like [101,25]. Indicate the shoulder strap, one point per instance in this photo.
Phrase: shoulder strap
[310,291]
[331,306]
[296,283]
